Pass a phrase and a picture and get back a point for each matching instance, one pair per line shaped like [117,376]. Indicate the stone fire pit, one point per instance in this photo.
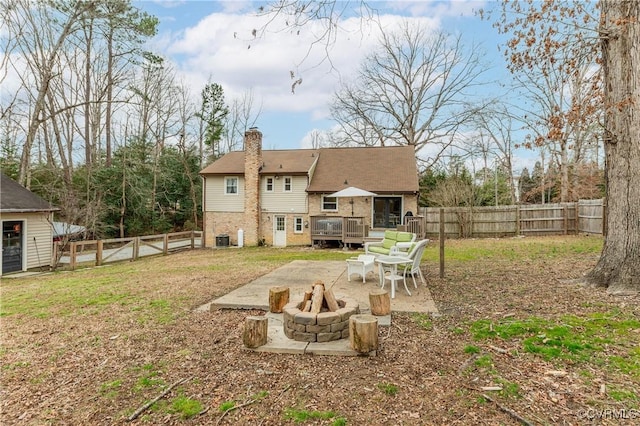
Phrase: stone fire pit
[324,326]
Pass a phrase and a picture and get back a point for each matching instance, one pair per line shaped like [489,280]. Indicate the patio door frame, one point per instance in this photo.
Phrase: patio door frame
[279,230]
[388,220]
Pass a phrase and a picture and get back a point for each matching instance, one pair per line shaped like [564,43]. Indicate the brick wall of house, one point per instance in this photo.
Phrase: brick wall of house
[293,239]
[252,163]
[361,207]
[217,223]
[411,204]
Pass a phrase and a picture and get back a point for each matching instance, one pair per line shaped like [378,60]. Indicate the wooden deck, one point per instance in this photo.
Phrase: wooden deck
[355,230]
[347,230]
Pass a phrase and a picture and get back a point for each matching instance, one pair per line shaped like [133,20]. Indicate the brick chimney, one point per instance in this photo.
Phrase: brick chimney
[252,165]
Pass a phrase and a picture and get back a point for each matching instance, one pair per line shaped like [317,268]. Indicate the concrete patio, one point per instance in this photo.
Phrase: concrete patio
[299,276]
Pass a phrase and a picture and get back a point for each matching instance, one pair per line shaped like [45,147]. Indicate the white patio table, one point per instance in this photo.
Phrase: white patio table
[393,277]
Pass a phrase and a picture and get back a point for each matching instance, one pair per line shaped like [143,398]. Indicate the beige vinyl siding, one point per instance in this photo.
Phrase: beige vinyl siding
[217,200]
[37,242]
[280,201]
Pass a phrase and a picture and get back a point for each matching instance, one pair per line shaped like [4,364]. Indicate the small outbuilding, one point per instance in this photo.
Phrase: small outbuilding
[27,232]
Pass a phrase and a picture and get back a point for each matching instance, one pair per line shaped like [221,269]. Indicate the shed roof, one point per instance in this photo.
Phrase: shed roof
[15,198]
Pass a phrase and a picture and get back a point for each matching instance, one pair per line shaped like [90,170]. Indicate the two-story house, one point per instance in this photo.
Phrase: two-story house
[283,197]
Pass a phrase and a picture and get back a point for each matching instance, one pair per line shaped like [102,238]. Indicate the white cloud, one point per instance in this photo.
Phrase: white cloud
[221,47]
[234,6]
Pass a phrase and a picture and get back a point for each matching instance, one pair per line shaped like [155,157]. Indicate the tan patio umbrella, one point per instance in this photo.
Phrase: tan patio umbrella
[351,192]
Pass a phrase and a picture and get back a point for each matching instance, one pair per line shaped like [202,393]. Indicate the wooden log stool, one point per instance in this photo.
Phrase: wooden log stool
[380,302]
[278,297]
[255,331]
[363,333]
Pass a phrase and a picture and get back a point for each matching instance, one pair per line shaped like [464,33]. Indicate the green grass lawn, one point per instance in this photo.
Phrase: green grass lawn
[511,318]
[87,291]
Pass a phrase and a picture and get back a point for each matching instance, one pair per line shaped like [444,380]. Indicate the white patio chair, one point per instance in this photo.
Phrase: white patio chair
[415,254]
[360,265]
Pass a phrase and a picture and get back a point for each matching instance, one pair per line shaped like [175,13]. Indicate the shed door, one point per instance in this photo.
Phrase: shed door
[11,246]
[279,231]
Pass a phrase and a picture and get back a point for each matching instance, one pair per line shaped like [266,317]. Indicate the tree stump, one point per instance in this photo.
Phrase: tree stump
[278,297]
[363,333]
[255,331]
[379,302]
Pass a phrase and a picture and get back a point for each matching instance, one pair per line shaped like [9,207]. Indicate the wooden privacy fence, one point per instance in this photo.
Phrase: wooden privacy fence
[501,221]
[591,216]
[99,252]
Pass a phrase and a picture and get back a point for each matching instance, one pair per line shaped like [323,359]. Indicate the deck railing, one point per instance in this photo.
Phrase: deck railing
[354,230]
[337,228]
[414,224]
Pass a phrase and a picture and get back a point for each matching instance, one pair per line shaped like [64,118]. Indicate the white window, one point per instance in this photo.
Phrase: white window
[269,184]
[287,184]
[231,185]
[329,203]
[297,225]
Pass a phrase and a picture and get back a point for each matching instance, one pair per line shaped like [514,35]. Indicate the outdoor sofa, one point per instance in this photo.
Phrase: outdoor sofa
[400,240]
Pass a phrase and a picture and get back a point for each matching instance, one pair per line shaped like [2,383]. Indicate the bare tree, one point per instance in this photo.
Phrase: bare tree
[124,33]
[497,125]
[9,41]
[243,114]
[553,55]
[414,90]
[42,33]
[542,29]
[319,139]
[59,47]
[187,114]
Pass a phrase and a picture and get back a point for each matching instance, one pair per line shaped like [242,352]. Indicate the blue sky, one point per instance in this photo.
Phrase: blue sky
[213,40]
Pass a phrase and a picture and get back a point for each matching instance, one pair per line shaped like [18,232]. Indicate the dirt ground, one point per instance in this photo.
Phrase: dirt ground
[97,364]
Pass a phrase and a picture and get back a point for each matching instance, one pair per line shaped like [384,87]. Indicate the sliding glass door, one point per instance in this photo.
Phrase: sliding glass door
[387,212]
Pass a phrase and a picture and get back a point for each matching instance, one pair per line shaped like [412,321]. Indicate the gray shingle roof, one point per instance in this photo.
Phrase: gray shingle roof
[14,198]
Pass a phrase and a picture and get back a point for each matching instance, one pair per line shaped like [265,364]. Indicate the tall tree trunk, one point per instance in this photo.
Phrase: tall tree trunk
[543,176]
[49,152]
[66,170]
[184,154]
[619,266]
[201,142]
[87,96]
[107,124]
[123,193]
[512,186]
[564,172]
